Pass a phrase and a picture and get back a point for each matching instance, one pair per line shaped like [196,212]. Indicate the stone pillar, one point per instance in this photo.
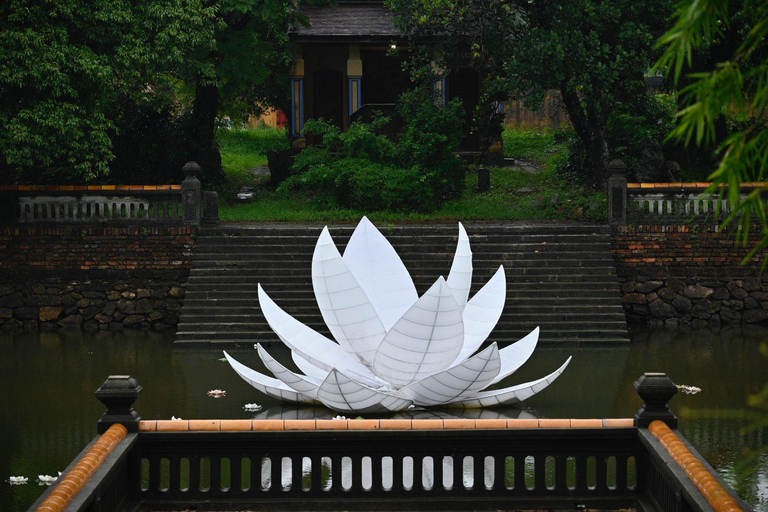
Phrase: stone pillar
[617,193]
[190,194]
[297,96]
[656,389]
[118,393]
[210,209]
[354,78]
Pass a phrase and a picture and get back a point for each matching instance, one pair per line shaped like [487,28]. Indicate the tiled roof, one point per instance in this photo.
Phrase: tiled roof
[364,22]
[691,185]
[392,424]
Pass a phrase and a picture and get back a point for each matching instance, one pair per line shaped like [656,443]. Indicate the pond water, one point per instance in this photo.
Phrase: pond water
[49,410]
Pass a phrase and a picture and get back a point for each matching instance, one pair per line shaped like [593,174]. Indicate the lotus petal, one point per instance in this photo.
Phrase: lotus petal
[347,310]
[514,356]
[309,369]
[380,272]
[511,395]
[303,384]
[482,313]
[460,278]
[267,385]
[341,393]
[424,341]
[311,345]
[457,382]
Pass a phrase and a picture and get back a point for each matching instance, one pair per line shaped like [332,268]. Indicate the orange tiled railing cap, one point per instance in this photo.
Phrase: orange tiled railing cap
[72,483]
[710,488]
[105,188]
[386,424]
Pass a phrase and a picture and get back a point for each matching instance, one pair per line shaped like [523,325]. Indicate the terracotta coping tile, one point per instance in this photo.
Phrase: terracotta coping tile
[618,422]
[300,425]
[707,484]
[150,187]
[175,187]
[490,424]
[458,423]
[633,185]
[163,187]
[206,425]
[79,187]
[268,425]
[586,423]
[364,425]
[94,187]
[523,423]
[689,185]
[703,185]
[122,187]
[428,424]
[676,184]
[25,187]
[647,185]
[108,187]
[236,425]
[554,423]
[396,424]
[172,426]
[148,425]
[136,187]
[331,424]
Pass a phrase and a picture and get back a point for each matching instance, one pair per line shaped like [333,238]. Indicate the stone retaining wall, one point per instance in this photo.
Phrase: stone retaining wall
[93,277]
[688,274]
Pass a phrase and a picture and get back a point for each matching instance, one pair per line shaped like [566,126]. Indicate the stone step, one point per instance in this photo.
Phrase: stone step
[504,337]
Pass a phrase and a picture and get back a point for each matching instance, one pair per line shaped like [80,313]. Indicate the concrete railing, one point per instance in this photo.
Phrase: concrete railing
[401,464]
[110,204]
[638,203]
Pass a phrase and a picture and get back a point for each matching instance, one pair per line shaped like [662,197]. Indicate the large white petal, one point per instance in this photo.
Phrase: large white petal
[511,395]
[341,393]
[309,369]
[457,382]
[311,345]
[267,385]
[482,313]
[460,278]
[347,310]
[514,356]
[300,383]
[380,272]
[424,341]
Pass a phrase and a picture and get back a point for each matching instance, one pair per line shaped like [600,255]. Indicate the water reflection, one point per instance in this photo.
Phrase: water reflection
[49,411]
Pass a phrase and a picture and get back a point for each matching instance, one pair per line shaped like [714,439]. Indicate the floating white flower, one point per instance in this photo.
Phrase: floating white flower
[252,407]
[18,480]
[217,393]
[47,479]
[393,348]
[174,418]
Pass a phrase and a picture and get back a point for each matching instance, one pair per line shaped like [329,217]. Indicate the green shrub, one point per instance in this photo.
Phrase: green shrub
[629,126]
[362,168]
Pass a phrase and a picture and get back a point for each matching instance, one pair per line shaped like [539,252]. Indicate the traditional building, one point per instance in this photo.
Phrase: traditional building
[344,63]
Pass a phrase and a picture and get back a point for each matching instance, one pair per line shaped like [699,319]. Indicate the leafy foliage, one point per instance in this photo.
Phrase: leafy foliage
[63,65]
[737,84]
[363,169]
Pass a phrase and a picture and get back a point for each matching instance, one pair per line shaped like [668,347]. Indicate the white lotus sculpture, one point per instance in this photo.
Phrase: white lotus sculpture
[393,348]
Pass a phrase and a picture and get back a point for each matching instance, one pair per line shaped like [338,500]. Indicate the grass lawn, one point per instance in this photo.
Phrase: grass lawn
[516,194]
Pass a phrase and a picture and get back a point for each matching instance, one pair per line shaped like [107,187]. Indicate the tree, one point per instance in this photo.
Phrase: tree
[736,86]
[593,51]
[245,72]
[62,66]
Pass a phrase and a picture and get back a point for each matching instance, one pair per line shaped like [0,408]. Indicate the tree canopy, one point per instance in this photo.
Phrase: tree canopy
[734,86]
[594,52]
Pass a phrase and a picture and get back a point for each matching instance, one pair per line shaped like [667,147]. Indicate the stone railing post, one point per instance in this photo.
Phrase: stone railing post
[118,393]
[190,194]
[210,209]
[617,193]
[656,389]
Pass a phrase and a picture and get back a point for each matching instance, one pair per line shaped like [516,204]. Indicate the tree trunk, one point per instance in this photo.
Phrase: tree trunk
[590,126]
[203,130]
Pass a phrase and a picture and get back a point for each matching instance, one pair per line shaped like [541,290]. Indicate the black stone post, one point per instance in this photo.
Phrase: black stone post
[190,194]
[210,209]
[483,179]
[617,193]
[656,389]
[118,394]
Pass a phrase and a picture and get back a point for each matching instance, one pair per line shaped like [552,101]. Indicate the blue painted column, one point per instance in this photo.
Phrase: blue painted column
[439,85]
[297,106]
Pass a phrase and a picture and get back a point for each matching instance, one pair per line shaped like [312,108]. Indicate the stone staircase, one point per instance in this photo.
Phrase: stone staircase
[560,277]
